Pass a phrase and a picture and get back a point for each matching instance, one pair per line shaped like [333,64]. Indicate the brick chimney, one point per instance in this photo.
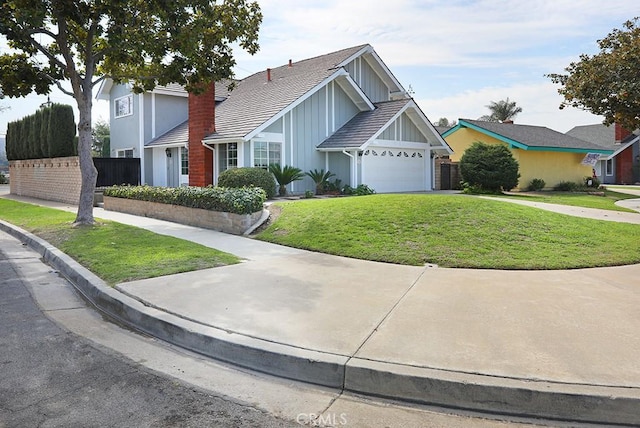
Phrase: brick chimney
[620,132]
[201,123]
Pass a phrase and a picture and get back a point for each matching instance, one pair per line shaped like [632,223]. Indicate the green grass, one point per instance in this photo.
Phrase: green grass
[114,252]
[452,231]
[578,199]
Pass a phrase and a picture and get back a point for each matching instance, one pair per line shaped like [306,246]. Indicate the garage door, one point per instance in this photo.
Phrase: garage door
[387,169]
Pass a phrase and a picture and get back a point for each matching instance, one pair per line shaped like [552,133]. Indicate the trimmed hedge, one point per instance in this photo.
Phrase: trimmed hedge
[48,133]
[244,200]
[247,177]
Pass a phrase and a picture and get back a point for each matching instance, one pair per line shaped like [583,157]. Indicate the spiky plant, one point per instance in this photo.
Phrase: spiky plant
[285,175]
[320,178]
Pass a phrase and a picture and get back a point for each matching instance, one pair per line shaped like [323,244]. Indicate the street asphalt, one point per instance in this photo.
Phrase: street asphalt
[553,344]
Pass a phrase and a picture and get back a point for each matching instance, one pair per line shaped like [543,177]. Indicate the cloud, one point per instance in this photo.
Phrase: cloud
[539,104]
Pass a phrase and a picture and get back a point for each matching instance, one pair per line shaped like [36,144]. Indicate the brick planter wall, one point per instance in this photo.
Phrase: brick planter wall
[235,224]
[55,179]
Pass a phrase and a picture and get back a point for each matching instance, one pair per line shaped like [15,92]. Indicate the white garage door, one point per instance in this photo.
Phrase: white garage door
[387,169]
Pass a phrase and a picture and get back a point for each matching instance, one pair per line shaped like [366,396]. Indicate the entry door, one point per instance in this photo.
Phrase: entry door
[172,168]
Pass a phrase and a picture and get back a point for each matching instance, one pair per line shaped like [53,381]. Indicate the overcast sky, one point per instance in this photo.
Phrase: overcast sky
[456,55]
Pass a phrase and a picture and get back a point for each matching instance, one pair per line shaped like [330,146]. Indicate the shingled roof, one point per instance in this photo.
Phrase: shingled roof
[530,137]
[364,126]
[256,99]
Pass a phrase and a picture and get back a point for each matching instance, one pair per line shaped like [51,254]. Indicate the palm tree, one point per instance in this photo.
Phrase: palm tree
[502,111]
[320,178]
[285,175]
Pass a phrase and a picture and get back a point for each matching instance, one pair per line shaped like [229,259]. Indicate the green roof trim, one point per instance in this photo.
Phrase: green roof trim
[523,146]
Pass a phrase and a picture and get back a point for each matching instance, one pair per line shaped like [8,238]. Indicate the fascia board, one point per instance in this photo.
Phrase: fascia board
[300,100]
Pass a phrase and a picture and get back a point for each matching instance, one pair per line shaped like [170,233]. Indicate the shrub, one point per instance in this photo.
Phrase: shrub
[321,179]
[285,175]
[334,186]
[247,177]
[244,200]
[536,184]
[567,186]
[308,194]
[361,190]
[490,167]
[3,179]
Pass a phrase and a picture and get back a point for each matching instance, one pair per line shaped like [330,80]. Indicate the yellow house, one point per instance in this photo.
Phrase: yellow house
[541,152]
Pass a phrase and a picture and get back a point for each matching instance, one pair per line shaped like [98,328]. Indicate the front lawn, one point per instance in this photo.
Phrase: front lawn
[578,199]
[114,252]
[452,231]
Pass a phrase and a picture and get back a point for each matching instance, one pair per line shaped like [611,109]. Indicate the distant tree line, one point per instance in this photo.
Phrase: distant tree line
[48,133]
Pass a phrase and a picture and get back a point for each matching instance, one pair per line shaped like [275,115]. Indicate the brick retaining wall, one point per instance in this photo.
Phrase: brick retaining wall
[235,224]
[55,179]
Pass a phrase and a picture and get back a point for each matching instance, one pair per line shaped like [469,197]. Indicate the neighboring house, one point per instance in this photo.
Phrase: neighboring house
[623,165]
[344,112]
[541,152]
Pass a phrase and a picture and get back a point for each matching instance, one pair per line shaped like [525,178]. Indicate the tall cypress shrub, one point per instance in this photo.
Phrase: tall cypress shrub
[62,130]
[31,137]
[9,138]
[35,132]
[44,132]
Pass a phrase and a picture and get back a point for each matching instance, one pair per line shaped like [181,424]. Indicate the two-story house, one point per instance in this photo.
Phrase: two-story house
[344,112]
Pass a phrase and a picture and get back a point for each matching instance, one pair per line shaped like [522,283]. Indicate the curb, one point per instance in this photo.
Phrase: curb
[455,390]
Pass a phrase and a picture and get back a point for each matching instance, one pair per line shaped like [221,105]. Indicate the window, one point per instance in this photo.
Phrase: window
[124,106]
[265,153]
[228,156]
[609,168]
[184,161]
[126,153]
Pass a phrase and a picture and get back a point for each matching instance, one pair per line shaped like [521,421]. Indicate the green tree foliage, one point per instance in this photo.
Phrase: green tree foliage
[489,167]
[248,177]
[502,111]
[608,83]
[285,175]
[147,43]
[101,134]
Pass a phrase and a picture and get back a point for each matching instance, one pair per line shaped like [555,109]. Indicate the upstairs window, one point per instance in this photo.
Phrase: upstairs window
[124,106]
[126,153]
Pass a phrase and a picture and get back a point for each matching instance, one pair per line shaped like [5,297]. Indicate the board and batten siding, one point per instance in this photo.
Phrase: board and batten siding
[368,80]
[123,130]
[403,129]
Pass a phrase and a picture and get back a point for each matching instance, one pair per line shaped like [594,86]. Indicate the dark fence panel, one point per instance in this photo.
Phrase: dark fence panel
[117,171]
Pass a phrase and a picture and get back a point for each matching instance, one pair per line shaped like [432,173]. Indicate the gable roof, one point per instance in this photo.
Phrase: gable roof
[256,101]
[598,134]
[605,136]
[175,136]
[366,126]
[528,137]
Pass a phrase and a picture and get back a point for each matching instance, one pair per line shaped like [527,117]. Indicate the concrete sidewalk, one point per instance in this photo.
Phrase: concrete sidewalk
[552,344]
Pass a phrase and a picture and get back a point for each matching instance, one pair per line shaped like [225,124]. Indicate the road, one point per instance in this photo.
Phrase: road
[63,365]
[53,378]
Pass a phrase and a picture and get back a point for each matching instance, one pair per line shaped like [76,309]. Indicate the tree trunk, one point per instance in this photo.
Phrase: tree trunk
[87,169]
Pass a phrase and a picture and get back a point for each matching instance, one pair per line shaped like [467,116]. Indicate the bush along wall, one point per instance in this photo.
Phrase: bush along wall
[48,133]
[243,200]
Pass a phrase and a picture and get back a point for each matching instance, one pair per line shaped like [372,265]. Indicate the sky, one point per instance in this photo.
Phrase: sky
[457,56]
